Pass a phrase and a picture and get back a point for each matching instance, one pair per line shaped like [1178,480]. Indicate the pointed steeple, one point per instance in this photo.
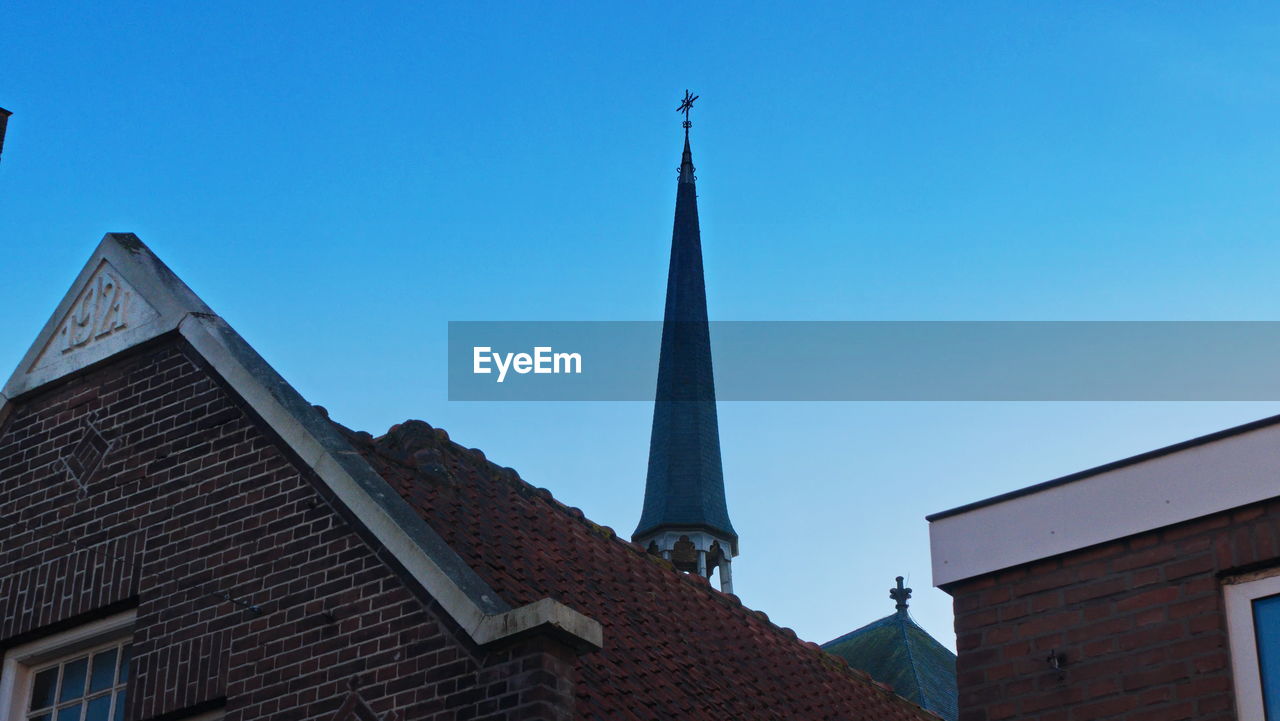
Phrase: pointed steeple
[686,174]
[685,517]
[4,123]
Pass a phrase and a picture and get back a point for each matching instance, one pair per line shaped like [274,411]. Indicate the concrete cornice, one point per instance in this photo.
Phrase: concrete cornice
[1191,480]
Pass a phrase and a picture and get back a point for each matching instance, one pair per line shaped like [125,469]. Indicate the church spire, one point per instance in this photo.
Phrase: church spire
[685,517]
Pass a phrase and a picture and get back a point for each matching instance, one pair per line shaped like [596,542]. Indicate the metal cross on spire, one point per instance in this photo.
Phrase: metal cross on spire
[900,595]
[685,106]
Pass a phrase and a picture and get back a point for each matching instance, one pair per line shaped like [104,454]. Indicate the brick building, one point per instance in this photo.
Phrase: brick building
[183,537]
[1145,590]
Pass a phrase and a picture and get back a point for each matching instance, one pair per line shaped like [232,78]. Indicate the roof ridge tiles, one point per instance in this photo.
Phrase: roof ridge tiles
[527,490]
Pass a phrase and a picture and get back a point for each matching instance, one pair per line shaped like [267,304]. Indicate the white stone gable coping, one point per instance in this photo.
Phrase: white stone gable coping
[126,296]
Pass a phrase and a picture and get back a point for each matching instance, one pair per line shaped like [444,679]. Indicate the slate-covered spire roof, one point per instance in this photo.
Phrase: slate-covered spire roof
[685,483]
[897,652]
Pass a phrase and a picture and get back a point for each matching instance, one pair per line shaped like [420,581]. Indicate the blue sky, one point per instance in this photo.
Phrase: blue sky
[339,181]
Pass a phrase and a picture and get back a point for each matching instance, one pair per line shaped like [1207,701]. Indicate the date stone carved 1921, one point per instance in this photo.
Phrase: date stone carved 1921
[107,305]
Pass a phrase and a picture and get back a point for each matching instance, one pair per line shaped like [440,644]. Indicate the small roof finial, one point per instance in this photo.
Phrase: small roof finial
[900,594]
[685,106]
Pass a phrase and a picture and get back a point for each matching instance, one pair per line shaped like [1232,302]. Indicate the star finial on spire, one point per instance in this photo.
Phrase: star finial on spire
[685,106]
[900,594]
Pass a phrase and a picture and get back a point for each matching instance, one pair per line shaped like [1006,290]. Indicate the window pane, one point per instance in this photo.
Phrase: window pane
[70,713]
[119,712]
[43,688]
[99,709]
[1266,625]
[124,662]
[41,717]
[73,680]
[103,673]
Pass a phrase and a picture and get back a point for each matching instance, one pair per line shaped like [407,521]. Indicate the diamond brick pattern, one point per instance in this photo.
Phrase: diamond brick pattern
[87,455]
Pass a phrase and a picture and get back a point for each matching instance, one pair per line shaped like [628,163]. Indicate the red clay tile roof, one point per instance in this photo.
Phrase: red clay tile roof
[674,647]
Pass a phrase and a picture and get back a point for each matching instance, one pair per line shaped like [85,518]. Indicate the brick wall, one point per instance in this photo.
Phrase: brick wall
[144,483]
[1140,622]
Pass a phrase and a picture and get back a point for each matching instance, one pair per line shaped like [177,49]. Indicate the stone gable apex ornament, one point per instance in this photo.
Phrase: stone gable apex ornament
[124,296]
[107,305]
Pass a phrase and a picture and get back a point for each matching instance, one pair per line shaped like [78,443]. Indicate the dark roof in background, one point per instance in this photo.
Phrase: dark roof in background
[896,651]
[674,647]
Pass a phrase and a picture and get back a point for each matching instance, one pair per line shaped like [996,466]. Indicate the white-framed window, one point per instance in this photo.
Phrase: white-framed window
[1253,625]
[77,675]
